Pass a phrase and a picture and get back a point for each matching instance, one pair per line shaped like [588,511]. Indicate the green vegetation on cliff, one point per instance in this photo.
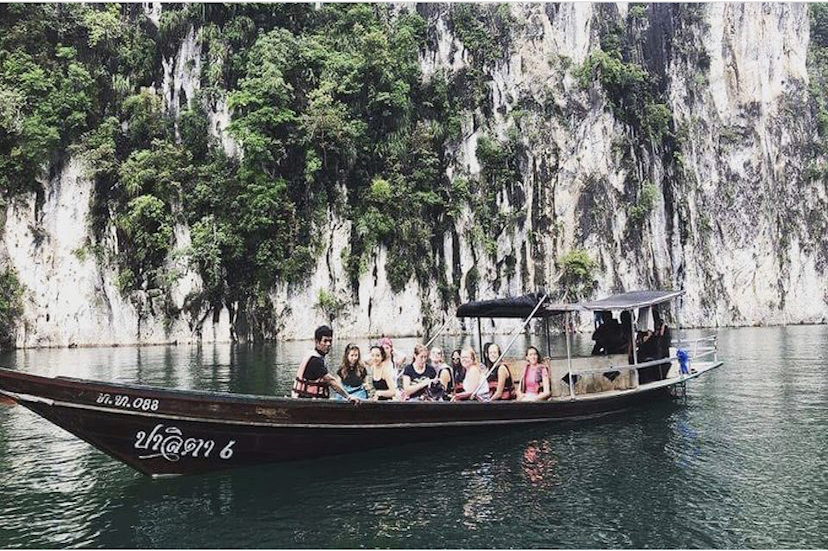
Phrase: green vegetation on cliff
[818,64]
[329,107]
[336,123]
[11,306]
[577,274]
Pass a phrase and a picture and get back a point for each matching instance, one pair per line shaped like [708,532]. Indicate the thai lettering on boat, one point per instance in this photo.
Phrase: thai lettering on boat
[169,443]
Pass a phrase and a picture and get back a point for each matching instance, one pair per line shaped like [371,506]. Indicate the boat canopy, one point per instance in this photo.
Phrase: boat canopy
[631,300]
[522,306]
[513,307]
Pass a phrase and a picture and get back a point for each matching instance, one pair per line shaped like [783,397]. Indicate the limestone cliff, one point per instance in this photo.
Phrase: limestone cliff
[730,216]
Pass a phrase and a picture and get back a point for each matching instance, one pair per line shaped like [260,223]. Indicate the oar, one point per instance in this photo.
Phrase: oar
[437,334]
[506,349]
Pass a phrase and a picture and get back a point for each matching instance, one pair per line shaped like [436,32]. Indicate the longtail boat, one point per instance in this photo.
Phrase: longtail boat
[171,432]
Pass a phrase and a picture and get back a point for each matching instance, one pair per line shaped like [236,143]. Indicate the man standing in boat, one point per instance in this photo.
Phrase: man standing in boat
[312,378]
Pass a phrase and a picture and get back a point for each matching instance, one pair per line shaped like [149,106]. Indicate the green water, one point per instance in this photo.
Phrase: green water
[742,462]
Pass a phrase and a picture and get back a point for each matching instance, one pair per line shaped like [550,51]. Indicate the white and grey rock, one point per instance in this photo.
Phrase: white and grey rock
[737,237]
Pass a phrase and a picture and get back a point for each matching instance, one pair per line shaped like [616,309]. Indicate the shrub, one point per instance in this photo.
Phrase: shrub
[646,201]
[576,277]
[147,225]
[11,306]
[329,304]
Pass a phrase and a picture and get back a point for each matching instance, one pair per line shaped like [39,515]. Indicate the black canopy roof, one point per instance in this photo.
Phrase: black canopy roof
[512,307]
[522,306]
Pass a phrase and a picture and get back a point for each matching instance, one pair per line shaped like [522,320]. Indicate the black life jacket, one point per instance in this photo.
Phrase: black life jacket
[457,379]
[451,384]
[508,387]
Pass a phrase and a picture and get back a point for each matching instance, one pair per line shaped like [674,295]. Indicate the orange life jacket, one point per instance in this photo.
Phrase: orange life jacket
[304,388]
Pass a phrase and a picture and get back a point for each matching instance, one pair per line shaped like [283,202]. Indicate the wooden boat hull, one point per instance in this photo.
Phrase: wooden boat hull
[169,432]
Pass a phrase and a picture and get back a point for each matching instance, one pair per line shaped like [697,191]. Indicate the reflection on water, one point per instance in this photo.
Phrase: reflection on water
[742,462]
[539,463]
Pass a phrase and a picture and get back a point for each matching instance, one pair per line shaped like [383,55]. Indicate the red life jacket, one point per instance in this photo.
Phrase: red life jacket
[538,377]
[303,388]
[508,387]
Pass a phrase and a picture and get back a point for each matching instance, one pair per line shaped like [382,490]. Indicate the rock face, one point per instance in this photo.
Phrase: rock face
[71,297]
[733,220]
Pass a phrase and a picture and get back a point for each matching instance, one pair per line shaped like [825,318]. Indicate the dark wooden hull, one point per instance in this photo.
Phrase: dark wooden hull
[168,432]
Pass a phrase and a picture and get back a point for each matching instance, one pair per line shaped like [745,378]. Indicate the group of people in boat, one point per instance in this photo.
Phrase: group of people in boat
[384,374]
[652,340]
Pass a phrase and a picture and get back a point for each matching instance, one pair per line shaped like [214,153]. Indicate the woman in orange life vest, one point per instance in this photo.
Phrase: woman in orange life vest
[534,384]
[383,375]
[352,373]
[312,377]
[501,385]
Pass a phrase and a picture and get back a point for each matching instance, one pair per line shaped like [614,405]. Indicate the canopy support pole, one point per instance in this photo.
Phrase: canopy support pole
[634,372]
[569,358]
[496,363]
[632,338]
[548,339]
[678,331]
[678,321]
[479,338]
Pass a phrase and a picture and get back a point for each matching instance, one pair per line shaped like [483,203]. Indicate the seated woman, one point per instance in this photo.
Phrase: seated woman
[383,376]
[453,376]
[352,373]
[501,385]
[445,374]
[436,359]
[535,384]
[396,358]
[418,375]
[473,382]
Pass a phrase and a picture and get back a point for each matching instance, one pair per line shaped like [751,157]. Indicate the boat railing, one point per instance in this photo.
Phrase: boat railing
[696,352]
[623,367]
[711,338]
[700,347]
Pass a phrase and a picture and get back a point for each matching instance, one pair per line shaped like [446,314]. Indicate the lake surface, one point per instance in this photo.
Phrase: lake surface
[741,462]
